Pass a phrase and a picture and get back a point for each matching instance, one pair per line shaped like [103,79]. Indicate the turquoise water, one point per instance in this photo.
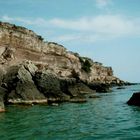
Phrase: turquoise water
[107,118]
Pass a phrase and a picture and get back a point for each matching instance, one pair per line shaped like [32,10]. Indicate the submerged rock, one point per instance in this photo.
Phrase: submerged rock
[135,99]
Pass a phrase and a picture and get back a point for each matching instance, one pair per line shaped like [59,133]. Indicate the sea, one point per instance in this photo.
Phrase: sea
[104,118]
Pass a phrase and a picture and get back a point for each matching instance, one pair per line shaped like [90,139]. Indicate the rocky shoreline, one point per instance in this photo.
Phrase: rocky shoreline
[25,84]
[33,71]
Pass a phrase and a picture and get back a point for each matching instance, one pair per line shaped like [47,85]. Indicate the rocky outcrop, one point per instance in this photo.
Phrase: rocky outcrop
[49,85]
[100,87]
[135,99]
[26,84]
[18,44]
[20,85]
[33,71]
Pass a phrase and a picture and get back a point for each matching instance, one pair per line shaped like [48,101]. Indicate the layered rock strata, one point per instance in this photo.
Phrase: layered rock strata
[35,71]
[18,44]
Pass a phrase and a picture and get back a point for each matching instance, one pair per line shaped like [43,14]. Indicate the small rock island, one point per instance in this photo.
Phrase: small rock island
[33,71]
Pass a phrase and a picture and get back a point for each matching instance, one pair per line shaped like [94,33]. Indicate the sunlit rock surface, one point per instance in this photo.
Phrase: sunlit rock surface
[37,71]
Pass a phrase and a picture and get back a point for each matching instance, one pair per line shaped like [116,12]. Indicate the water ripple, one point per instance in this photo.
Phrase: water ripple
[107,118]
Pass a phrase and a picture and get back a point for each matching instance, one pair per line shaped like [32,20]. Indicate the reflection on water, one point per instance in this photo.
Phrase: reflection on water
[108,118]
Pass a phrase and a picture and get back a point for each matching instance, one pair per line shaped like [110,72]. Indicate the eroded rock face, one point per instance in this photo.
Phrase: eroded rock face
[100,87]
[18,44]
[21,87]
[135,99]
[49,85]
[26,84]
[34,71]
[30,67]
[19,37]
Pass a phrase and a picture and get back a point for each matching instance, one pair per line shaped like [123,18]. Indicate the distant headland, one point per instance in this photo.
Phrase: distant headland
[33,71]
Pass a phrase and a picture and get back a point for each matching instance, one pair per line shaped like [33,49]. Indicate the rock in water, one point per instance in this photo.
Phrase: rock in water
[135,99]
[49,85]
[100,87]
[21,87]
[68,76]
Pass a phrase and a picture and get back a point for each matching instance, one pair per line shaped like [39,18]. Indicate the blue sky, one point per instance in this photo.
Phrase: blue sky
[107,31]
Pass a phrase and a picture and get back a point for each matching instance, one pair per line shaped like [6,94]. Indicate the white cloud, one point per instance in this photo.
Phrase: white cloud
[102,27]
[102,3]
[67,37]
[104,24]
[11,19]
[37,21]
[76,37]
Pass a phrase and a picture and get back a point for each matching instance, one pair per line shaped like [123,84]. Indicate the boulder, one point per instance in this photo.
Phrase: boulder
[30,67]
[65,83]
[135,99]
[20,85]
[84,89]
[100,87]
[73,87]
[79,89]
[10,79]
[49,85]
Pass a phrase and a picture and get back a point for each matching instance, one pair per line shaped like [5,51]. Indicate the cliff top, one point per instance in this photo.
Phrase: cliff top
[23,30]
[55,47]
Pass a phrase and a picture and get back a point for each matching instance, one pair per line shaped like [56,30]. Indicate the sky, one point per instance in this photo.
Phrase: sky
[108,31]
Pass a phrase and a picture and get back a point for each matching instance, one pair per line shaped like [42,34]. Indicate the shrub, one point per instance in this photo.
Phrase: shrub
[40,38]
[86,66]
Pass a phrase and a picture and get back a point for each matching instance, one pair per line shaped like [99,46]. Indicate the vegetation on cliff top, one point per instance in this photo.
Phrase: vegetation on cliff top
[85,65]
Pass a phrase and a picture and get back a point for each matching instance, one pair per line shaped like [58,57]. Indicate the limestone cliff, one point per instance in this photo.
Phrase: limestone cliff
[33,71]
[18,44]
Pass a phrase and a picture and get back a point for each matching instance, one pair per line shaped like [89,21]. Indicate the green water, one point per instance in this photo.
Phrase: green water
[107,118]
